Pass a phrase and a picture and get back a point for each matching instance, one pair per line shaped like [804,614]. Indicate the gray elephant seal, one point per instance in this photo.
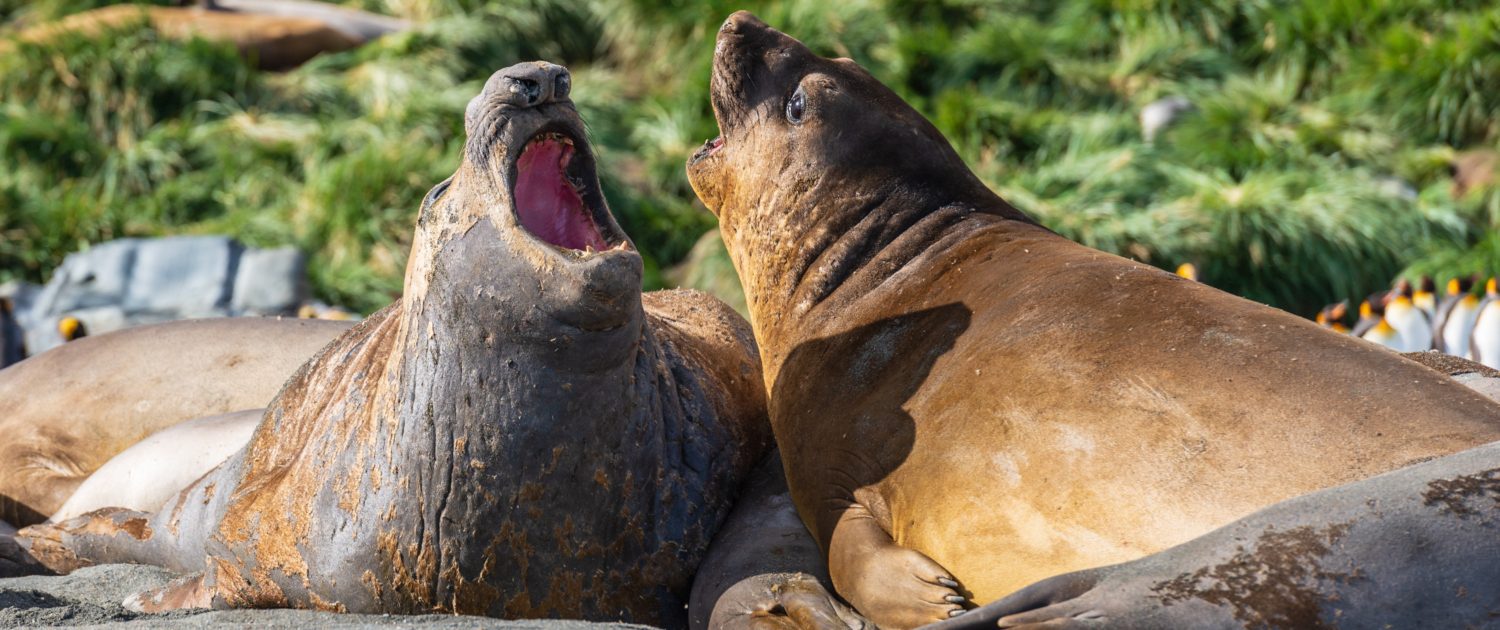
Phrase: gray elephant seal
[967,402]
[524,434]
[1414,548]
[67,411]
[764,569]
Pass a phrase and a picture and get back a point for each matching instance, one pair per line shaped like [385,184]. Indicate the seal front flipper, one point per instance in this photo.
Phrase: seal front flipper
[99,537]
[895,586]
[1045,600]
[15,561]
[188,591]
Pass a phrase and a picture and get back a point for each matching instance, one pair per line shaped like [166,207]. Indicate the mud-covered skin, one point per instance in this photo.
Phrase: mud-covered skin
[522,435]
[764,569]
[956,389]
[1414,548]
[67,411]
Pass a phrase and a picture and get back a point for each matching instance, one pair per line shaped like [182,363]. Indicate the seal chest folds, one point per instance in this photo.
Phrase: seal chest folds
[522,435]
[967,402]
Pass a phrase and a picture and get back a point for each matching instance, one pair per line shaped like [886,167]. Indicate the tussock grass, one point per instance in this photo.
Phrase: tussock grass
[1281,184]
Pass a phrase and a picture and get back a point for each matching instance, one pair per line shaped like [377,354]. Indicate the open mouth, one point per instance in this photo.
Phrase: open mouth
[709,148]
[557,197]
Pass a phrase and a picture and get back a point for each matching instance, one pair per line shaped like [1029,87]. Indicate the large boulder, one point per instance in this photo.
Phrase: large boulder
[130,282]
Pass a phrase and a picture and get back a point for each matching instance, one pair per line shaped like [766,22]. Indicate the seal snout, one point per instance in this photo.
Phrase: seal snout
[741,22]
[524,119]
[530,84]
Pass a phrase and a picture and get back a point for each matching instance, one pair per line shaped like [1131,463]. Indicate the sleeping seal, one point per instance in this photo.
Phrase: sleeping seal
[67,411]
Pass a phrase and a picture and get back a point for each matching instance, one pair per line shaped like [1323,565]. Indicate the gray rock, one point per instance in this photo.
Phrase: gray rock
[130,282]
[41,334]
[91,598]
[269,282]
[189,276]
[98,276]
[1487,385]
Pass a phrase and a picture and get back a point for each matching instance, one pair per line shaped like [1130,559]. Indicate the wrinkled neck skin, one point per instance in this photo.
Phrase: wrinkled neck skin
[811,250]
[527,395]
[510,295]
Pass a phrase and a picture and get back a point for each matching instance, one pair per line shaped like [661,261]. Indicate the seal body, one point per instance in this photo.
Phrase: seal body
[963,397]
[1413,548]
[152,471]
[522,435]
[271,42]
[67,411]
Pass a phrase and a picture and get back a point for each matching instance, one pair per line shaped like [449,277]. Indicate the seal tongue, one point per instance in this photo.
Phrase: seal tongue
[547,204]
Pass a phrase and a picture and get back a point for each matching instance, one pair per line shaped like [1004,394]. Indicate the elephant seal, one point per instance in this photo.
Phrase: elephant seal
[152,471]
[362,26]
[523,434]
[271,42]
[962,396]
[764,569]
[1413,548]
[65,412]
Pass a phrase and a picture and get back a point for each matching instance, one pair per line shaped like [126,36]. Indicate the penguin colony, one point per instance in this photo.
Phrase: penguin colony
[1461,321]
[1464,321]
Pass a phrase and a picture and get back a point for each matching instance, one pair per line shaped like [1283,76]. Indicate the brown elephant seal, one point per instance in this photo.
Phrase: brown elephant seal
[1414,548]
[271,42]
[362,26]
[65,412]
[961,395]
[524,434]
[152,471]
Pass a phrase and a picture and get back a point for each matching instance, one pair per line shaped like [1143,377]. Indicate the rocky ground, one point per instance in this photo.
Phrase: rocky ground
[91,598]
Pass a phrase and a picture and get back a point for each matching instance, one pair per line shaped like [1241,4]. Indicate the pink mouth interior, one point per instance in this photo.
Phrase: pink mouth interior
[548,205]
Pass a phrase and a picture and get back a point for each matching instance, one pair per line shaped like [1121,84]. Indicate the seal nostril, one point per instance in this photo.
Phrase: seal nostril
[740,22]
[529,91]
[562,86]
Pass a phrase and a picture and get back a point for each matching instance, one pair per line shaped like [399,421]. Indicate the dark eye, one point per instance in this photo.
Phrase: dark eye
[795,106]
[437,191]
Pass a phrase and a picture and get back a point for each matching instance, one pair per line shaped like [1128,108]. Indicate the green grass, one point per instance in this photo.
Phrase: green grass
[1278,185]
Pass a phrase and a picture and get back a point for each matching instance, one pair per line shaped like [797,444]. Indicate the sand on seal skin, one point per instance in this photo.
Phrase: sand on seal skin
[91,597]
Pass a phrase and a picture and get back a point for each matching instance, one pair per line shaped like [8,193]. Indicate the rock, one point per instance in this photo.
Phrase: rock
[269,282]
[91,597]
[130,282]
[98,276]
[187,275]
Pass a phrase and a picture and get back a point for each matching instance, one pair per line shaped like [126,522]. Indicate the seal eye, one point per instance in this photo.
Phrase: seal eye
[795,106]
[436,192]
